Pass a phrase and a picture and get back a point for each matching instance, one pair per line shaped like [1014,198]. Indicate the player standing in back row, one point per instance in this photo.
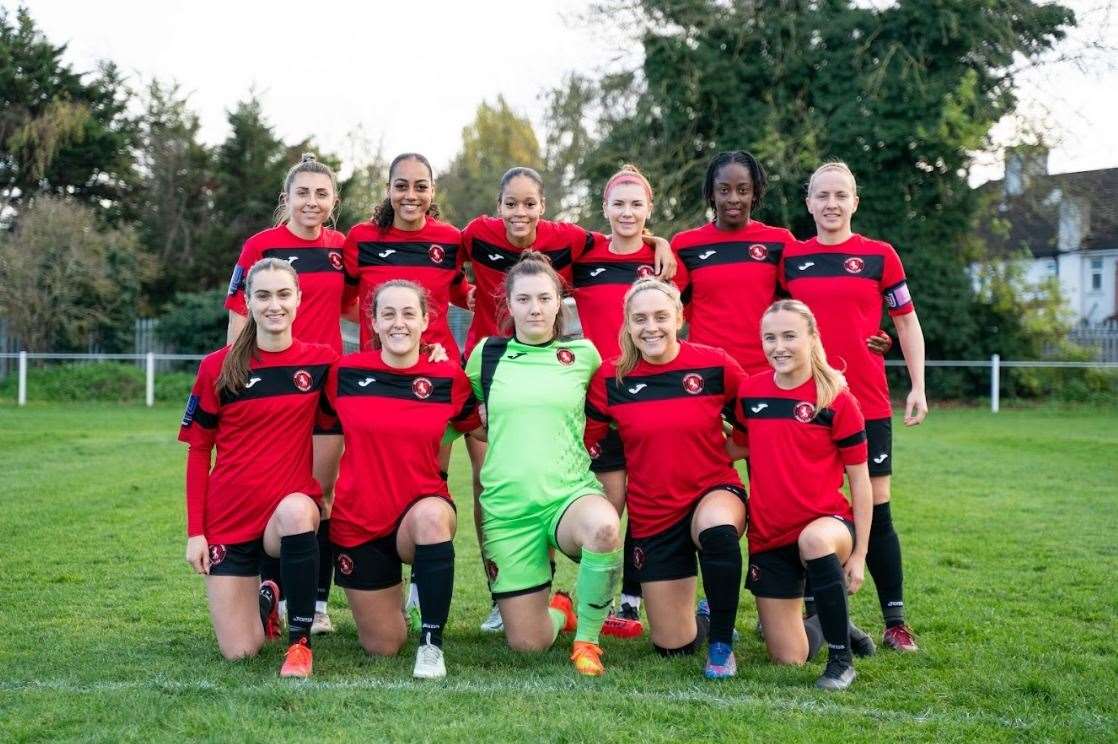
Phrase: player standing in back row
[844,278]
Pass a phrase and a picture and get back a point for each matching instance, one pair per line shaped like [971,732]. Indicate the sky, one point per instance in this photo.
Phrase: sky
[409,75]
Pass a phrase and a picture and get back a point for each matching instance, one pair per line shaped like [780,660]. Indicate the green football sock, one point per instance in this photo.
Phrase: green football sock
[558,620]
[597,577]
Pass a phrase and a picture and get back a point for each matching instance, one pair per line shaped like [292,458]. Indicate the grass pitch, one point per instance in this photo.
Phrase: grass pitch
[1007,523]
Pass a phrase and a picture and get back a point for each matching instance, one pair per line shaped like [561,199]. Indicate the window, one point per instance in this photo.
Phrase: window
[1096,274]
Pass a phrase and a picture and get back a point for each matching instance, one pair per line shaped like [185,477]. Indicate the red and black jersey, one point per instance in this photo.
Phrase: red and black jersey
[263,439]
[393,421]
[797,457]
[729,279]
[321,273]
[486,245]
[430,257]
[845,285]
[601,279]
[669,417]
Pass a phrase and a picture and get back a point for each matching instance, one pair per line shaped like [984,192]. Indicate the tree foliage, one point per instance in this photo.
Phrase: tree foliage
[904,94]
[61,132]
[496,140]
[68,283]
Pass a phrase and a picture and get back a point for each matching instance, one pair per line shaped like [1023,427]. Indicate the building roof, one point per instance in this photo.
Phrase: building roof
[1031,220]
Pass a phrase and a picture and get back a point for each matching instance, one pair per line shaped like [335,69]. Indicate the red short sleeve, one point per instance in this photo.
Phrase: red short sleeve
[894,285]
[597,409]
[349,265]
[848,430]
[326,417]
[466,414]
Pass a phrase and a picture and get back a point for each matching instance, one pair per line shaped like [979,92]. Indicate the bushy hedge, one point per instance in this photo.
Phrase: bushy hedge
[101,381]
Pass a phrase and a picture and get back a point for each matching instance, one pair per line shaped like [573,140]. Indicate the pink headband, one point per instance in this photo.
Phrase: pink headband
[628,177]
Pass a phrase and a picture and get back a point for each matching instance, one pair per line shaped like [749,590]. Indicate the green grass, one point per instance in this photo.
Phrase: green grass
[1007,523]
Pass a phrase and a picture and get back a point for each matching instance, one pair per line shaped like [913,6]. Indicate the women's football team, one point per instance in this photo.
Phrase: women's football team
[334,468]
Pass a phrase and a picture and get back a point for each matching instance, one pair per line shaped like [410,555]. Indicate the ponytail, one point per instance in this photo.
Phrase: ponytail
[236,365]
[829,382]
[630,354]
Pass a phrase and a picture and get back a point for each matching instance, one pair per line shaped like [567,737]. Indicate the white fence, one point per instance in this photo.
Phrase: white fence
[150,360]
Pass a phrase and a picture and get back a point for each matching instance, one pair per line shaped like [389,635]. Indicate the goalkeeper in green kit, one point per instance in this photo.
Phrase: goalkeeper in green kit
[537,489]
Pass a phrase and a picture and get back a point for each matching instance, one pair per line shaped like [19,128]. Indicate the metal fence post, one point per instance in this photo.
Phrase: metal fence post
[995,383]
[23,378]
[150,393]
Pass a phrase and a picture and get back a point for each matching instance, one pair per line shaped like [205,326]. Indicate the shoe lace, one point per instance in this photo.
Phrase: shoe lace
[429,654]
[835,668]
[298,652]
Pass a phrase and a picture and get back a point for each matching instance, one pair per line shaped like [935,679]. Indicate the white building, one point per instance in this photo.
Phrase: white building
[1068,223]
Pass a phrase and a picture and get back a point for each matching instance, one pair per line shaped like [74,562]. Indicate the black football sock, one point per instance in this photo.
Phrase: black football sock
[434,579]
[830,600]
[809,598]
[815,638]
[299,568]
[720,561]
[883,559]
[268,600]
[325,565]
[629,583]
[270,571]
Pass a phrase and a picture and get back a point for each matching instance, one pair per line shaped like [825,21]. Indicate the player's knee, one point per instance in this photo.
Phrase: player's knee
[383,645]
[239,649]
[605,536]
[813,543]
[296,514]
[432,523]
[529,644]
[788,655]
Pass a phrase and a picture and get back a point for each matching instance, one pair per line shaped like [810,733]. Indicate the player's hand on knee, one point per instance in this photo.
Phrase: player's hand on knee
[198,554]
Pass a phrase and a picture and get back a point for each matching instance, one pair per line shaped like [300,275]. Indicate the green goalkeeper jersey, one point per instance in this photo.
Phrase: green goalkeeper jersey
[535,398]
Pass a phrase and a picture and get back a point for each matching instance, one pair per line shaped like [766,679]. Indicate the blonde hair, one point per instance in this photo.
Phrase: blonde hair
[307,164]
[833,165]
[630,354]
[235,366]
[829,382]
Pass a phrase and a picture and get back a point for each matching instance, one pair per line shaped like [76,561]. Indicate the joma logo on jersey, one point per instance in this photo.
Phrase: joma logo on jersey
[693,383]
[595,272]
[758,252]
[705,255]
[335,259]
[436,254]
[303,380]
[804,412]
[637,388]
[854,265]
[422,387]
[387,253]
[565,356]
[645,272]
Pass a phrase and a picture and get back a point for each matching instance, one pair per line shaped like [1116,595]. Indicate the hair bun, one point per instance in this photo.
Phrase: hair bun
[308,157]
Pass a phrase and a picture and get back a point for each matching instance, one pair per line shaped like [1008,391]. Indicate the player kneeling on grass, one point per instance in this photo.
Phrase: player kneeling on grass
[802,430]
[666,398]
[537,488]
[257,402]
[392,505]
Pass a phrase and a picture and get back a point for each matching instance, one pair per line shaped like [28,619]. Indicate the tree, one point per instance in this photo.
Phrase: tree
[496,140]
[66,282]
[174,191]
[904,94]
[59,132]
[249,168]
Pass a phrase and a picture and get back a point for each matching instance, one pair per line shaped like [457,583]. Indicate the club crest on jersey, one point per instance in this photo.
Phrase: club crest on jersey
[436,253]
[804,412]
[303,380]
[645,272]
[758,252]
[754,572]
[345,564]
[491,569]
[217,554]
[565,356]
[335,259]
[595,452]
[422,387]
[638,558]
[854,265]
[693,383]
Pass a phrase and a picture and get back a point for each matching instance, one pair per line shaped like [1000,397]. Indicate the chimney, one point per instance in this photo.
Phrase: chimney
[1022,164]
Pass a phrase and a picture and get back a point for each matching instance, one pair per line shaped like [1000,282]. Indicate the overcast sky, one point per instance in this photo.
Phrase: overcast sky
[411,74]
